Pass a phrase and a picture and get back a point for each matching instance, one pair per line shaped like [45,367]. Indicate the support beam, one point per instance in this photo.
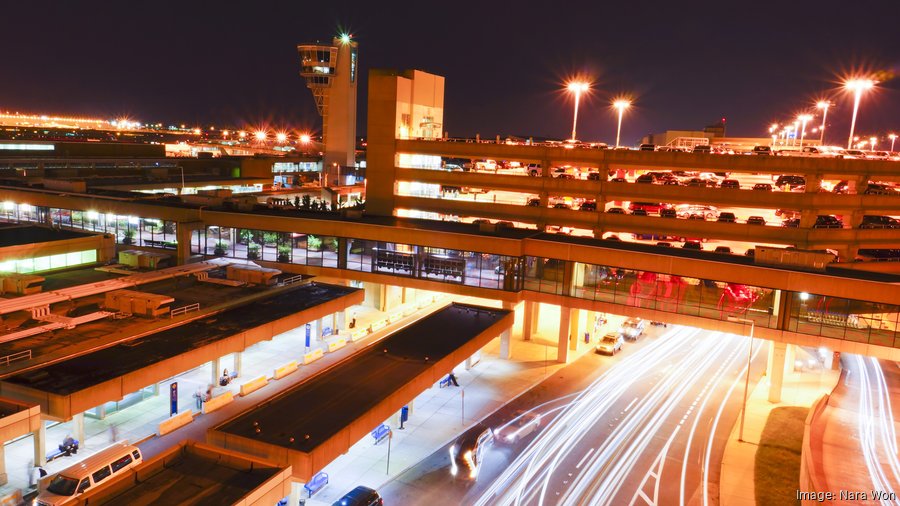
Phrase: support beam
[78,428]
[574,321]
[532,310]
[238,356]
[214,372]
[40,445]
[776,372]
[562,346]
[505,348]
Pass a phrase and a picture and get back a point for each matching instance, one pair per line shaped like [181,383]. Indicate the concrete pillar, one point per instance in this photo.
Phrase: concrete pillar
[183,233]
[518,321]
[854,219]
[574,321]
[505,348]
[790,356]
[530,319]
[78,428]
[297,493]
[340,319]
[315,331]
[403,295]
[3,479]
[214,372]
[828,363]
[40,444]
[562,346]
[813,183]
[808,218]
[858,185]
[238,356]
[776,372]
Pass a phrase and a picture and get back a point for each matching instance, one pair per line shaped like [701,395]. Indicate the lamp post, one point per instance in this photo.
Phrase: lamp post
[577,88]
[824,105]
[873,141]
[796,131]
[620,105]
[892,137]
[747,381]
[857,86]
[772,130]
[804,118]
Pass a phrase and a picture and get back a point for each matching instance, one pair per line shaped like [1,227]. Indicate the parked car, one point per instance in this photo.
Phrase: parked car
[692,245]
[650,207]
[632,329]
[705,211]
[791,223]
[588,206]
[766,187]
[880,189]
[593,176]
[756,220]
[618,180]
[731,183]
[360,496]
[616,210]
[723,249]
[639,212]
[561,205]
[827,221]
[534,202]
[750,253]
[726,217]
[645,178]
[667,213]
[664,244]
[612,237]
[876,221]
[648,147]
[792,182]
[523,424]
[610,344]
[762,150]
[702,149]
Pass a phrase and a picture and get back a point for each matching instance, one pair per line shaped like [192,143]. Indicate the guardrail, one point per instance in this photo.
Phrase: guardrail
[184,309]
[291,280]
[22,355]
[809,479]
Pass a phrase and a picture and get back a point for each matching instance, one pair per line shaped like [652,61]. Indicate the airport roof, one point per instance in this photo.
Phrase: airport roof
[17,235]
[79,373]
[330,401]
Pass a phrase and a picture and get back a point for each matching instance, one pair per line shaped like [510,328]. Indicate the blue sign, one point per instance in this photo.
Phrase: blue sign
[327,332]
[404,414]
[173,399]
[308,333]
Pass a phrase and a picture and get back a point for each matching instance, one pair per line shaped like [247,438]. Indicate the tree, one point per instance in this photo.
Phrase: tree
[306,201]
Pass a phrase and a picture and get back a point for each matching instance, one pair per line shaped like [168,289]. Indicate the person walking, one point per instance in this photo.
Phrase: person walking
[452,378]
[198,395]
[113,433]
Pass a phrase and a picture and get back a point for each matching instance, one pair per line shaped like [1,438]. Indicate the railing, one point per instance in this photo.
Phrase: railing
[291,280]
[22,355]
[184,309]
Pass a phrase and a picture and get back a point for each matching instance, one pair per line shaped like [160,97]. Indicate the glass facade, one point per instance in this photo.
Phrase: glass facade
[49,262]
[853,320]
[134,230]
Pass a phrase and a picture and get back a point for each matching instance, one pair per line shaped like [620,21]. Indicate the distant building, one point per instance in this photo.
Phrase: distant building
[331,72]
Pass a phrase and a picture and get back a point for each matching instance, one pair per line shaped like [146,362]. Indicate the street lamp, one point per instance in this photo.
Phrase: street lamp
[772,130]
[824,105]
[857,86]
[747,381]
[873,141]
[620,105]
[804,118]
[577,87]
[796,131]
[892,137]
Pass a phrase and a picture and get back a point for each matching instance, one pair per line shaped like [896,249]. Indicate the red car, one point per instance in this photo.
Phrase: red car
[650,207]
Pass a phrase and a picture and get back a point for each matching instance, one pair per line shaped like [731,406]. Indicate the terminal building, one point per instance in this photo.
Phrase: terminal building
[442,216]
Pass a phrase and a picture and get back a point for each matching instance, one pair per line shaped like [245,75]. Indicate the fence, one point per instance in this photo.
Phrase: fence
[22,355]
[184,309]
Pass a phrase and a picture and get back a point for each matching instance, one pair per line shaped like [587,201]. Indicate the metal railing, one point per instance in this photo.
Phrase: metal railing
[22,355]
[184,309]
[291,280]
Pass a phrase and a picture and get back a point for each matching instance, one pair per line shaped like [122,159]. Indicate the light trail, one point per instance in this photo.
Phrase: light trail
[877,436]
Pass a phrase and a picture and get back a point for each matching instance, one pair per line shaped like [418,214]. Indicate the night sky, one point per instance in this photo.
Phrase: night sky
[686,64]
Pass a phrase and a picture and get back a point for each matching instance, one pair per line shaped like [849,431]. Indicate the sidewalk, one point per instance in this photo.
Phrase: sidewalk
[736,486]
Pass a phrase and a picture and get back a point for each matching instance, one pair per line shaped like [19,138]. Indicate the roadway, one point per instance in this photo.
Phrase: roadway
[858,450]
[646,426]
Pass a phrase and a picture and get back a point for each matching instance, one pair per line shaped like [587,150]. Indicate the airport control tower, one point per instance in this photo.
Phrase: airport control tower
[331,71]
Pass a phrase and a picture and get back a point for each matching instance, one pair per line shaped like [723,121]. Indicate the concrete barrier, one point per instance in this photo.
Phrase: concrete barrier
[809,480]
[286,369]
[378,324]
[254,385]
[337,344]
[358,334]
[395,316]
[180,420]
[217,402]
[312,356]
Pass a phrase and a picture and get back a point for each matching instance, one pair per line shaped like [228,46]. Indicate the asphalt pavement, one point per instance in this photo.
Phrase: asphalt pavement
[647,426]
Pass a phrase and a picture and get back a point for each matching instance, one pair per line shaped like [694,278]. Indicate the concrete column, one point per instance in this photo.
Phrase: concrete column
[854,219]
[297,493]
[790,356]
[808,218]
[518,322]
[214,372]
[562,347]
[858,185]
[3,479]
[403,295]
[505,348]
[40,444]
[238,356]
[776,373]
[340,319]
[183,233]
[78,428]
[813,183]
[574,321]
[545,168]
[315,331]
[530,319]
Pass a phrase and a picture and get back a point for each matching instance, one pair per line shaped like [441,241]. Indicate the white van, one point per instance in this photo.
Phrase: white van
[99,468]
